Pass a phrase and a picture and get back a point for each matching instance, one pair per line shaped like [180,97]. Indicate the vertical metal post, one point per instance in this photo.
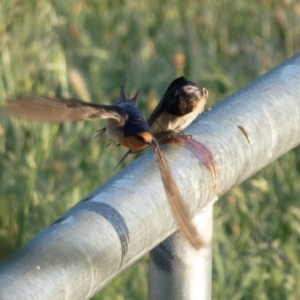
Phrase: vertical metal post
[177,271]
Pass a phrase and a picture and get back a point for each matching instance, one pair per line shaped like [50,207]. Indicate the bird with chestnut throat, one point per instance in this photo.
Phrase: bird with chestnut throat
[125,125]
[182,102]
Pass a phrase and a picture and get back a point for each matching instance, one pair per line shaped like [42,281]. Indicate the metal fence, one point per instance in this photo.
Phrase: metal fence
[129,215]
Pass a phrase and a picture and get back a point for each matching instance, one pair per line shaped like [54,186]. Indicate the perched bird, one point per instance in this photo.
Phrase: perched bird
[180,105]
[125,125]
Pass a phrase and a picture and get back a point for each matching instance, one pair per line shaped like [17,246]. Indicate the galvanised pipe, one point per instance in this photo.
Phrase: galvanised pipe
[129,215]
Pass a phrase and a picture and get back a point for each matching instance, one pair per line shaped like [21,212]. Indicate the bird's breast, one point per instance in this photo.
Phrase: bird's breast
[131,141]
[170,122]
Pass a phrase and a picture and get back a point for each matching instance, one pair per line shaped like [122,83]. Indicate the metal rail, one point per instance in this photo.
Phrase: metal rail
[129,215]
[177,271]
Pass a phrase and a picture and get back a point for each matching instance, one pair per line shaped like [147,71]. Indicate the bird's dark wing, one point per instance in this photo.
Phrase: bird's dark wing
[168,96]
[123,98]
[51,109]
[173,194]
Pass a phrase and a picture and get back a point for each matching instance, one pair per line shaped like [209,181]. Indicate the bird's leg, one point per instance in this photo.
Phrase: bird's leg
[186,227]
[100,132]
[110,142]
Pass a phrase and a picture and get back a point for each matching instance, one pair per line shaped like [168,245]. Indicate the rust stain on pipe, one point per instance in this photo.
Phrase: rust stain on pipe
[203,154]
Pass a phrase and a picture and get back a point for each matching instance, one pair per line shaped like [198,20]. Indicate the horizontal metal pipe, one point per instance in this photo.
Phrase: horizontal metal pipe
[129,215]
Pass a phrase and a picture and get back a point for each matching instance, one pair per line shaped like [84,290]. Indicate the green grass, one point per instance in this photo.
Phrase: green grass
[45,169]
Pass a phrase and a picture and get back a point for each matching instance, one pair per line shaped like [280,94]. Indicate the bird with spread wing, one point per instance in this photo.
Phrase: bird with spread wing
[125,125]
[182,102]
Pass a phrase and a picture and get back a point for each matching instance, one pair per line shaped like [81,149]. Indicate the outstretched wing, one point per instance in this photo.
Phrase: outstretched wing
[51,109]
[175,200]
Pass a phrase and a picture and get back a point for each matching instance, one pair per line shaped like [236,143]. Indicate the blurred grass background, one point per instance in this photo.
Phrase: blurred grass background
[45,46]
